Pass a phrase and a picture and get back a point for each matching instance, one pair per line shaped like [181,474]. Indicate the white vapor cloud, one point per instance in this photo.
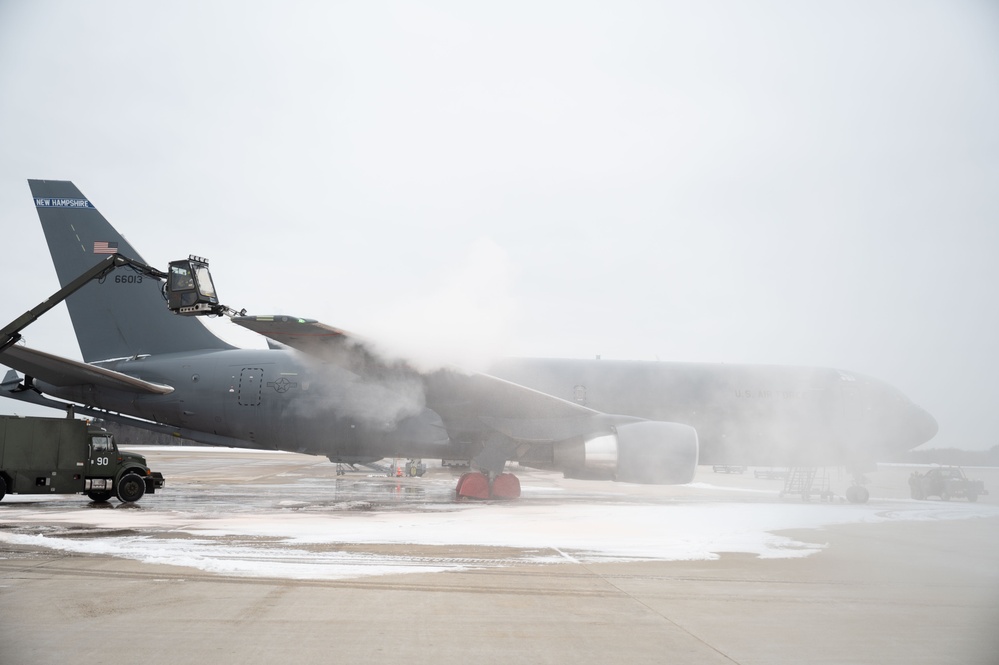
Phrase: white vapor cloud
[463,320]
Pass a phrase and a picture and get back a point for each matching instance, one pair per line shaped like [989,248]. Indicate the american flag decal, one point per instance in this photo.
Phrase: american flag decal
[105,247]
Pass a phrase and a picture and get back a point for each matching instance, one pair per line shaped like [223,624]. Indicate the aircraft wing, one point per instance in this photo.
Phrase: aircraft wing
[466,401]
[60,371]
[314,338]
[306,335]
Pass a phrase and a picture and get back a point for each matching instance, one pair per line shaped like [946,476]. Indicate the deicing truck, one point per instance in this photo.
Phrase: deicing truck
[66,456]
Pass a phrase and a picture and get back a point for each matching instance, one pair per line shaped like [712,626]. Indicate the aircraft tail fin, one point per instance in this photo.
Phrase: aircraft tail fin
[123,315]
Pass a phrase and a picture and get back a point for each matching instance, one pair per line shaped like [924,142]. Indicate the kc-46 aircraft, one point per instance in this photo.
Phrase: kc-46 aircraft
[319,390]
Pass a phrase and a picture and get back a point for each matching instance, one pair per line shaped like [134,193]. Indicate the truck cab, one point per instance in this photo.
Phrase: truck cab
[111,471]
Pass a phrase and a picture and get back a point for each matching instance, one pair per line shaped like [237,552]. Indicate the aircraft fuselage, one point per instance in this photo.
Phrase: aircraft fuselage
[743,414]
[274,399]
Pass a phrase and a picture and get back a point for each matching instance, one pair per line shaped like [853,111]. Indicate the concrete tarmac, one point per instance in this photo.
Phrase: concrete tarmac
[922,591]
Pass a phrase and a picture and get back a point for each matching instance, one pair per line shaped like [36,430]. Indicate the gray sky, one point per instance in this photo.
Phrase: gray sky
[767,182]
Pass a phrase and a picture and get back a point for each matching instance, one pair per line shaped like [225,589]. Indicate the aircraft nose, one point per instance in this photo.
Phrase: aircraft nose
[923,426]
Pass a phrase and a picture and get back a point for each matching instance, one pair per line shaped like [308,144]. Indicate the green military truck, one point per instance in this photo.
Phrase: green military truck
[65,456]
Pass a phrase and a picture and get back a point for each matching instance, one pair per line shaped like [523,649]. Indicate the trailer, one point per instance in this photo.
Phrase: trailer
[67,456]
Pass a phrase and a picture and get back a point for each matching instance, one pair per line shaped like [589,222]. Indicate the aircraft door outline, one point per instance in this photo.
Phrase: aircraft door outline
[251,381]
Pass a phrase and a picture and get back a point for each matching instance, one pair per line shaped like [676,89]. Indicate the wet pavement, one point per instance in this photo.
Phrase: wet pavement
[273,514]
[268,557]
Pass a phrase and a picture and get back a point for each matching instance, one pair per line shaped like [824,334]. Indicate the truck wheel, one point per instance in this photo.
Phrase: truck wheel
[99,496]
[3,488]
[972,496]
[944,495]
[130,488]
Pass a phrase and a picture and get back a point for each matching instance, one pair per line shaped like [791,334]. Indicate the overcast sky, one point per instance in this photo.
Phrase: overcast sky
[802,183]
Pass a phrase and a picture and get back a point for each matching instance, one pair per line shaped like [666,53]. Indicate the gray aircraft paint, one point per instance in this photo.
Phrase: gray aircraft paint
[744,414]
[122,316]
[285,399]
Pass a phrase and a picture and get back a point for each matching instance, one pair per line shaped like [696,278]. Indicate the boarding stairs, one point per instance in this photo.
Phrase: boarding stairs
[808,482]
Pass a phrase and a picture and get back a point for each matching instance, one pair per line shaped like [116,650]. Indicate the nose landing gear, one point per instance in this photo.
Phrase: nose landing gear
[857,493]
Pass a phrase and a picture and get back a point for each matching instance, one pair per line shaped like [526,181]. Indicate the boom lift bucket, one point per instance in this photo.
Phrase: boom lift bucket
[189,288]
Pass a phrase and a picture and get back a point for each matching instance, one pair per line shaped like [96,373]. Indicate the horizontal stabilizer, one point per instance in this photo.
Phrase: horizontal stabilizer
[63,372]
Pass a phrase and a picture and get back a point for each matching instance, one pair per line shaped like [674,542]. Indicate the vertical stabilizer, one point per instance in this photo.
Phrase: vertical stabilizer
[125,314]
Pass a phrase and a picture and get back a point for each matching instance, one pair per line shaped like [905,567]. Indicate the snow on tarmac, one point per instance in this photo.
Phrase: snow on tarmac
[338,544]
[292,528]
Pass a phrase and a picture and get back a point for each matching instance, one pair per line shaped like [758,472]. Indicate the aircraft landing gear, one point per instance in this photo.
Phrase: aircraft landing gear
[478,485]
[857,494]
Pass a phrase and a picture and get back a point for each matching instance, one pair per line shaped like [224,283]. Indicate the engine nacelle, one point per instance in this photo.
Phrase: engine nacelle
[650,452]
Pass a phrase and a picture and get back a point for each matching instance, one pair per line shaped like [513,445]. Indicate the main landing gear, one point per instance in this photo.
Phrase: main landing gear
[478,485]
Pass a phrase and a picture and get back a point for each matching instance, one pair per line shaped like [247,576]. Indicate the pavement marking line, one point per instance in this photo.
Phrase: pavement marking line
[569,557]
[648,607]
